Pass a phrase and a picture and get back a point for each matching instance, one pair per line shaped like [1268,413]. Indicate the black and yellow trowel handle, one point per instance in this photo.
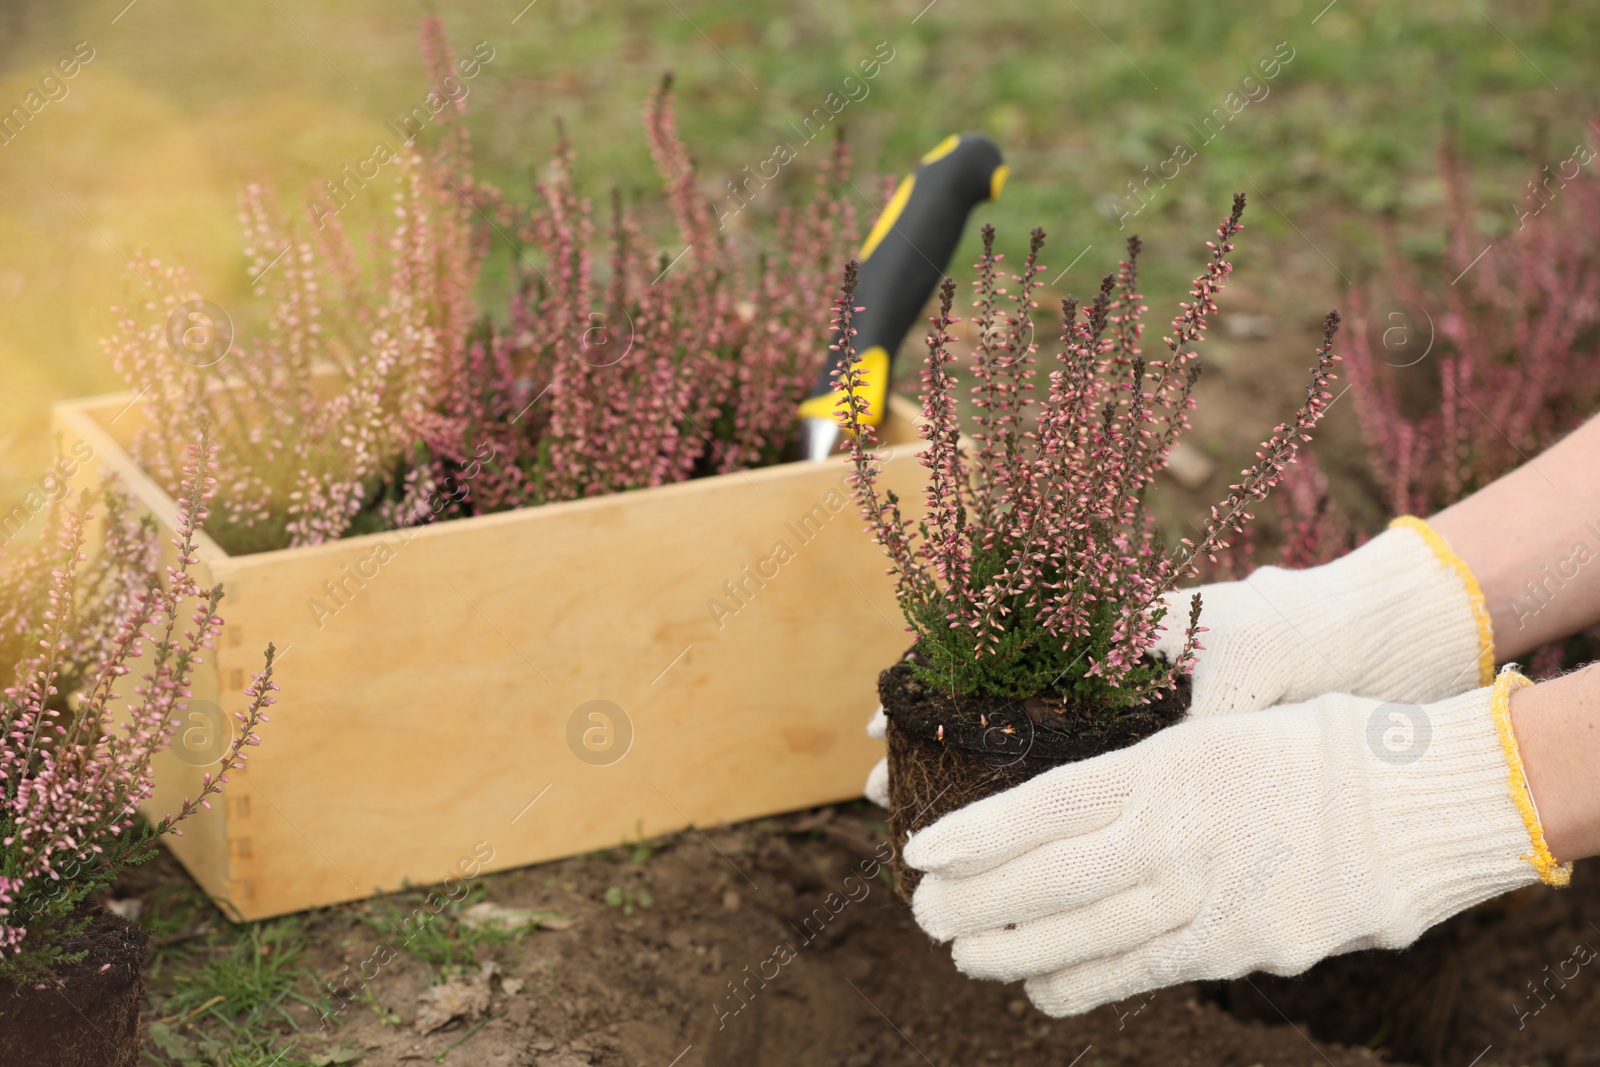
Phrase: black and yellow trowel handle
[902,260]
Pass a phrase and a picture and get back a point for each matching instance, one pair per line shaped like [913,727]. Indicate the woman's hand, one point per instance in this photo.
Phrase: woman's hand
[877,788]
[1400,617]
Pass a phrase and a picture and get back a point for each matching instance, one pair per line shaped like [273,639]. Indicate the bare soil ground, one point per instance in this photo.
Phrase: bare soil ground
[776,943]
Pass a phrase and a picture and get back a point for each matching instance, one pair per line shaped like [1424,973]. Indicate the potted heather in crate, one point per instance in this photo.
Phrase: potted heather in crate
[99,652]
[1034,585]
[454,524]
[378,398]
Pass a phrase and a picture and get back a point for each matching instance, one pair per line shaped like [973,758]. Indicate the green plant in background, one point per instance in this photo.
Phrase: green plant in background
[641,850]
[441,940]
[385,1016]
[169,1048]
[231,1004]
[250,983]
[627,898]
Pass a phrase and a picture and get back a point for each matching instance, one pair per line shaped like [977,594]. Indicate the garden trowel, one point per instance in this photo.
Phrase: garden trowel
[902,260]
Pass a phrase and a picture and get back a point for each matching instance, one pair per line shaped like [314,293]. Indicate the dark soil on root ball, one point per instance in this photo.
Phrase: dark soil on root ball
[87,1012]
[946,752]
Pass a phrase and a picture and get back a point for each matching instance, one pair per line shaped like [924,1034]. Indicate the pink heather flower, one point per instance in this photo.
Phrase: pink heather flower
[72,630]
[1038,568]
[1460,374]
[619,366]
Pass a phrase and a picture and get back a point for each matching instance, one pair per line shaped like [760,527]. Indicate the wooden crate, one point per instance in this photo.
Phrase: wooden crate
[438,684]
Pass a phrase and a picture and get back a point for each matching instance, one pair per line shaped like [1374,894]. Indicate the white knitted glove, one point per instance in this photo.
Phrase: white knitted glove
[1237,843]
[877,789]
[1401,617]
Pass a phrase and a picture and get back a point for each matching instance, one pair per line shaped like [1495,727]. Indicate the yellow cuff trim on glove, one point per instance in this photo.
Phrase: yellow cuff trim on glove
[1550,872]
[1480,607]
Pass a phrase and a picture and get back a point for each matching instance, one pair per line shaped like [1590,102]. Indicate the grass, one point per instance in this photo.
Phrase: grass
[165,1046]
[224,998]
[247,986]
[641,850]
[441,940]
[227,1003]
[627,899]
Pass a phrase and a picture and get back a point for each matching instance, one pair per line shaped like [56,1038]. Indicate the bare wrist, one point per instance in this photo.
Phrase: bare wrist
[1557,724]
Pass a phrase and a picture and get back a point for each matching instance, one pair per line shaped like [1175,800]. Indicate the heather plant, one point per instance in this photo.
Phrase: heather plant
[1306,523]
[379,397]
[312,456]
[73,767]
[1515,345]
[127,562]
[1314,527]
[1508,367]
[656,369]
[1481,373]
[1038,569]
